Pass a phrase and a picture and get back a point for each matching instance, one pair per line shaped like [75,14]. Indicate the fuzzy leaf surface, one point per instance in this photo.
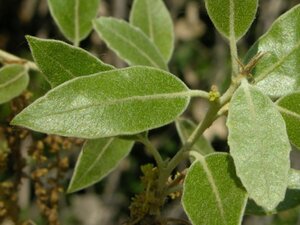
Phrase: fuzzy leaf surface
[259,145]
[118,102]
[185,128]
[74,17]
[232,18]
[278,72]
[294,179]
[97,159]
[291,200]
[212,193]
[154,19]
[289,107]
[129,42]
[61,62]
[13,81]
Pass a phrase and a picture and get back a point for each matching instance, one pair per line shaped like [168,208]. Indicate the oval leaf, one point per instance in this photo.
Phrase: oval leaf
[153,18]
[259,145]
[129,42]
[56,60]
[212,194]
[13,81]
[185,129]
[117,102]
[97,158]
[277,73]
[289,106]
[74,17]
[232,18]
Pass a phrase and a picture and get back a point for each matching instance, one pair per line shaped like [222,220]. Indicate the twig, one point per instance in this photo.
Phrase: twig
[8,58]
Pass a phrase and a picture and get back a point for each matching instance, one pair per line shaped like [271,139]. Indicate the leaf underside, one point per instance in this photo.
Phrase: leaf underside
[259,145]
[129,42]
[278,72]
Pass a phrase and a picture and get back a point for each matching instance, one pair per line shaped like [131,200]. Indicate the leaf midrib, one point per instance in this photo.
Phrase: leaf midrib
[54,60]
[106,146]
[146,56]
[185,94]
[214,188]
[76,21]
[270,69]
[289,112]
[18,76]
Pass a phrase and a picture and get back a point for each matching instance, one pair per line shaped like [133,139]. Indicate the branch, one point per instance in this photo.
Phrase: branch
[8,58]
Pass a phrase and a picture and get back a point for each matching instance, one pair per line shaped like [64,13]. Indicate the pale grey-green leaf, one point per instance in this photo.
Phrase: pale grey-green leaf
[154,19]
[129,42]
[259,145]
[278,72]
[294,179]
[61,62]
[212,193]
[74,17]
[289,107]
[97,159]
[13,81]
[291,200]
[185,128]
[232,18]
[118,102]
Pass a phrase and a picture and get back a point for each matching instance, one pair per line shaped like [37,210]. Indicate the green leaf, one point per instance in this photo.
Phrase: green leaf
[294,179]
[118,102]
[129,42]
[232,18]
[153,18]
[291,200]
[98,158]
[185,128]
[13,81]
[61,62]
[278,72]
[259,145]
[212,193]
[74,17]
[289,106]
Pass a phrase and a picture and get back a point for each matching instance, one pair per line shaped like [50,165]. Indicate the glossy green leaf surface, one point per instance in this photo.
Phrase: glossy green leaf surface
[154,19]
[291,200]
[185,128]
[61,62]
[13,81]
[97,158]
[259,145]
[129,42]
[289,107]
[212,193]
[278,72]
[118,102]
[74,17]
[232,18]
